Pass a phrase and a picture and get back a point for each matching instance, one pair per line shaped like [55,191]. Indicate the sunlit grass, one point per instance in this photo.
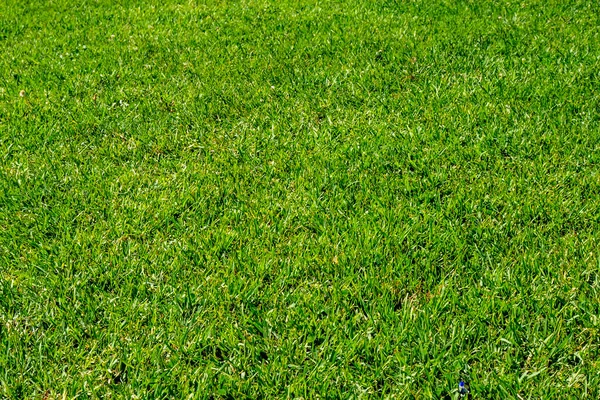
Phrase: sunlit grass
[299,199]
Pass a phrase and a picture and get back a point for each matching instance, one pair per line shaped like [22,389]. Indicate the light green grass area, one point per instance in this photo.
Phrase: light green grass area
[299,199]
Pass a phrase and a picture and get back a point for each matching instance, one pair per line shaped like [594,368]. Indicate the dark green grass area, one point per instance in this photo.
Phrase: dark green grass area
[299,199]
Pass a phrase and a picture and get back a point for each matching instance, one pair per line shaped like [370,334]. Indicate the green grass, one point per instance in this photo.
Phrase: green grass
[299,199]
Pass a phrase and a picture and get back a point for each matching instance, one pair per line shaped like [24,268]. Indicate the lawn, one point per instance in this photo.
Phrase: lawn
[299,199]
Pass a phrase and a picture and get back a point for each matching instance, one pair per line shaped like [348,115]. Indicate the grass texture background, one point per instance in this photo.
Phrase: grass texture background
[299,199]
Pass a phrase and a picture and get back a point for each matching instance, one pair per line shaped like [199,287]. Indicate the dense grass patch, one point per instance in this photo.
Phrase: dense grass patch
[303,199]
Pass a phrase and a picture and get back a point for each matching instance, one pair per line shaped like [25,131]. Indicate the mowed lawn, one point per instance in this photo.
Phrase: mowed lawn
[299,199]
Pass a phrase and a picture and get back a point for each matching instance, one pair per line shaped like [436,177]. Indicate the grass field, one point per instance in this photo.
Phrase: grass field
[299,199]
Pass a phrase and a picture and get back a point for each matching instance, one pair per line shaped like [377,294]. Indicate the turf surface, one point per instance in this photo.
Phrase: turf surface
[299,199]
